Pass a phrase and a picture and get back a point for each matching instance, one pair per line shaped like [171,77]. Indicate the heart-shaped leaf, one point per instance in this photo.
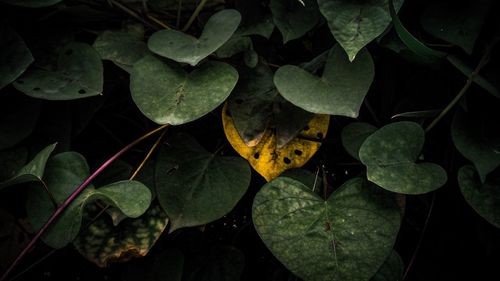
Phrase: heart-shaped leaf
[477,143]
[196,187]
[185,48]
[353,136]
[31,3]
[294,19]
[354,24]
[347,237]
[270,160]
[389,155]
[79,74]
[32,171]
[340,91]
[391,270]
[458,23]
[15,57]
[103,243]
[167,94]
[63,174]
[122,48]
[484,198]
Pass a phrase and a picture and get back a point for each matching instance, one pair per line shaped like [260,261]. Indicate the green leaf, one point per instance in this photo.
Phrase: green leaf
[14,55]
[294,19]
[391,270]
[354,24]
[165,93]
[484,198]
[122,48]
[33,171]
[347,237]
[79,74]
[18,118]
[63,174]
[262,26]
[185,48]
[31,3]
[470,136]
[196,187]
[456,22]
[389,155]
[340,91]
[353,136]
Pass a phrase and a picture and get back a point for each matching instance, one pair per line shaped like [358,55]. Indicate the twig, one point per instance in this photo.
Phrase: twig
[194,15]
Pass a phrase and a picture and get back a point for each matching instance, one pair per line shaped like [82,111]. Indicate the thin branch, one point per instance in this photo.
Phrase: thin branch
[194,15]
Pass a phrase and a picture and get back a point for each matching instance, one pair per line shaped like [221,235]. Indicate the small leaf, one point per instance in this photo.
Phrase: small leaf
[470,136]
[33,171]
[353,136]
[293,18]
[196,187]
[340,91]
[347,237]
[484,198]
[103,243]
[391,270]
[456,22]
[389,155]
[31,3]
[122,48]
[167,94]
[266,157]
[79,74]
[15,57]
[354,24]
[185,48]
[64,173]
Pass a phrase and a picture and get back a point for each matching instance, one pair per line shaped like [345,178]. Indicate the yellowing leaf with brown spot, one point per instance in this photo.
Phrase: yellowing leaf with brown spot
[269,160]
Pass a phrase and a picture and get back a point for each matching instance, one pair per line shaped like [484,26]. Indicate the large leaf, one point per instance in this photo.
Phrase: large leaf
[270,160]
[31,3]
[484,198]
[390,154]
[478,140]
[32,171]
[103,242]
[340,91]
[165,93]
[185,48]
[196,187]
[294,19]
[63,174]
[391,270]
[347,237]
[122,48]
[457,22]
[79,74]
[15,57]
[353,136]
[354,24]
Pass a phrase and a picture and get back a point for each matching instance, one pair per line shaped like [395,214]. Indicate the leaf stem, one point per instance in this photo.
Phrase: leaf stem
[72,197]
[194,15]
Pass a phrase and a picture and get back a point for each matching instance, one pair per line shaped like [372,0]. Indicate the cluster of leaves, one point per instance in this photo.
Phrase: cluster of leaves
[282,75]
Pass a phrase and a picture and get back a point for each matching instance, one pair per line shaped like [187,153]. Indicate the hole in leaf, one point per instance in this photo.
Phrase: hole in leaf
[319,135]
[287,160]
[82,91]
[256,155]
[297,152]
[68,52]
[36,89]
[306,128]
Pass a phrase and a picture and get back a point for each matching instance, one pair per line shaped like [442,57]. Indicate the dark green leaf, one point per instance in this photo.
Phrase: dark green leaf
[196,187]
[294,19]
[347,237]
[15,57]
[185,48]
[484,198]
[353,136]
[389,155]
[340,90]
[167,94]
[79,74]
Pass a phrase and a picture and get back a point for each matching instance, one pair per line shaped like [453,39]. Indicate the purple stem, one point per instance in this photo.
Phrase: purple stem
[72,197]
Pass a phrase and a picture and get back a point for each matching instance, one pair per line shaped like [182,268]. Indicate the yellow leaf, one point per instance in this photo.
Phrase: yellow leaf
[269,160]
